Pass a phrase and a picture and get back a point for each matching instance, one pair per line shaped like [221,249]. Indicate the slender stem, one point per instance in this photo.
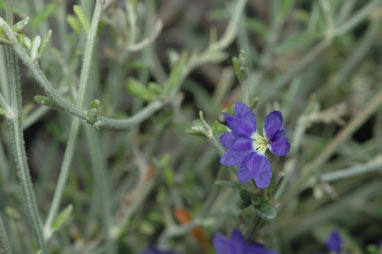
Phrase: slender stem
[101,181]
[357,18]
[64,173]
[352,171]
[87,60]
[63,177]
[253,228]
[104,122]
[17,137]
[4,243]
[232,29]
[351,127]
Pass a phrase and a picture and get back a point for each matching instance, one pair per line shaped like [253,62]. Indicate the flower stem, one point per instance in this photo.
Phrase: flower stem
[253,228]
[17,137]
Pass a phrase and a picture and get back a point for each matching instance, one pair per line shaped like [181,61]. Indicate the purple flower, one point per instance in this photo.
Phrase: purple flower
[335,242]
[237,245]
[153,250]
[247,148]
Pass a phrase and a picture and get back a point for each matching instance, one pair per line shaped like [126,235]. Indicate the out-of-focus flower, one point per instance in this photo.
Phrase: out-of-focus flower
[237,245]
[334,242]
[247,148]
[153,250]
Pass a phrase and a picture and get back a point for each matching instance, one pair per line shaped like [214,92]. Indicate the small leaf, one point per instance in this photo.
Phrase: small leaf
[35,47]
[154,87]
[221,118]
[91,116]
[170,176]
[95,104]
[174,79]
[74,23]
[44,43]
[198,128]
[61,218]
[229,184]
[2,112]
[139,90]
[219,128]
[254,102]
[266,211]
[82,17]
[236,66]
[45,101]
[19,26]
[25,41]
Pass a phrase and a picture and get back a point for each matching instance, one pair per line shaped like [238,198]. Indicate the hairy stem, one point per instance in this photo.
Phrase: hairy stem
[17,137]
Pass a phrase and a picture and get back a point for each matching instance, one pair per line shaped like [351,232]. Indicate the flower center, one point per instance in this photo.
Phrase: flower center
[259,143]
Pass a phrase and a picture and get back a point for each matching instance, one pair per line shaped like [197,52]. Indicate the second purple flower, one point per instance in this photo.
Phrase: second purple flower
[247,148]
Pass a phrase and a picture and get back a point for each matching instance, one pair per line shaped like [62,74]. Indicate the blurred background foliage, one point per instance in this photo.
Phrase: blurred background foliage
[318,62]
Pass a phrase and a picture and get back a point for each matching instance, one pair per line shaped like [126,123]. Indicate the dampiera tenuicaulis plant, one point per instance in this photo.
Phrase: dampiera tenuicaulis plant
[96,96]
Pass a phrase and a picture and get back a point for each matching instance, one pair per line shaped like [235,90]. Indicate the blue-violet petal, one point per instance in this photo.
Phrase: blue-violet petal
[279,143]
[244,173]
[237,242]
[244,112]
[273,123]
[233,158]
[221,244]
[240,127]
[227,139]
[262,169]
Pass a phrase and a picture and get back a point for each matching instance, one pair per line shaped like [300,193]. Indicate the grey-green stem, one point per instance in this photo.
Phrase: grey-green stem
[17,137]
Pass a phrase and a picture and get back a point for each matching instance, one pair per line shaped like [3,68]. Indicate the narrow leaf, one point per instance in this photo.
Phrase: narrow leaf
[61,218]
[35,47]
[139,90]
[82,17]
[74,23]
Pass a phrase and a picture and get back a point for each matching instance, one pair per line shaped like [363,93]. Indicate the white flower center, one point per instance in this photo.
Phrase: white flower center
[259,143]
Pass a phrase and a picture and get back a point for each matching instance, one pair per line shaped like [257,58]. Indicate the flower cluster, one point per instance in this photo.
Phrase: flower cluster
[247,148]
[237,245]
